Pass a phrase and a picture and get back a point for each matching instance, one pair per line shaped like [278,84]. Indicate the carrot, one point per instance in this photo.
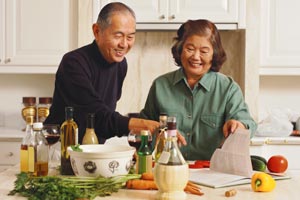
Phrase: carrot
[147,176]
[147,183]
[140,184]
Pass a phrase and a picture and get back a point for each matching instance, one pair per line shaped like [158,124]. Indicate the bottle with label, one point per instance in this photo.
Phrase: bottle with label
[90,136]
[144,154]
[42,150]
[69,136]
[161,136]
[24,145]
[171,171]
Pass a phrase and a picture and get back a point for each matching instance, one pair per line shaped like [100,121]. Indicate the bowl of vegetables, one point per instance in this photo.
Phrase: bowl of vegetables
[101,160]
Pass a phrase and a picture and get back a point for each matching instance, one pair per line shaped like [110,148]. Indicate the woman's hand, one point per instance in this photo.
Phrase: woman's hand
[230,126]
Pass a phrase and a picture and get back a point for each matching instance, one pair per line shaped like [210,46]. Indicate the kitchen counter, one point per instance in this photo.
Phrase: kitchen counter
[269,146]
[285,189]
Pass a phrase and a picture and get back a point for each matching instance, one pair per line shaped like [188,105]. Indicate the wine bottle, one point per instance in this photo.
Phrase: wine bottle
[90,136]
[69,136]
[171,171]
[161,137]
[144,154]
[24,145]
[41,151]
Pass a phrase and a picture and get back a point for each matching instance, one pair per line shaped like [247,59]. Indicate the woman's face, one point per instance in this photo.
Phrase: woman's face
[196,56]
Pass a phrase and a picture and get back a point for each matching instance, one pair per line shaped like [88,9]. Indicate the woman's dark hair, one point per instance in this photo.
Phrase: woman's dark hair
[104,17]
[200,27]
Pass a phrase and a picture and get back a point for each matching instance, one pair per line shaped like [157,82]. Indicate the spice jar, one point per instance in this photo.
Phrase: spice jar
[44,108]
[29,110]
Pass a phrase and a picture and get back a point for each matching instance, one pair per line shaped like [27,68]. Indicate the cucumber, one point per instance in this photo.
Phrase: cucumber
[258,164]
[259,158]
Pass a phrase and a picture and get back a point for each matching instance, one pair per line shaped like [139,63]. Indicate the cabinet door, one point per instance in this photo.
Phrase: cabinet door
[280,43]
[146,11]
[10,153]
[169,14]
[218,11]
[37,33]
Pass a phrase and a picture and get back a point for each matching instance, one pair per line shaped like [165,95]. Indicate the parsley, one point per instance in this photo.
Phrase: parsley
[67,187]
[76,148]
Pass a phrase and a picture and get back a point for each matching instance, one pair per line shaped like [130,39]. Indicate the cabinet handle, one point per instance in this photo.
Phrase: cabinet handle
[10,154]
[172,17]
[7,60]
[162,17]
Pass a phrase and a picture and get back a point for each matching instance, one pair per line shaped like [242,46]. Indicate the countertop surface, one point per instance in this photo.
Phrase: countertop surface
[285,189]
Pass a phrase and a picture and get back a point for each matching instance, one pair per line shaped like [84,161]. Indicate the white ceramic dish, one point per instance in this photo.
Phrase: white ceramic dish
[104,160]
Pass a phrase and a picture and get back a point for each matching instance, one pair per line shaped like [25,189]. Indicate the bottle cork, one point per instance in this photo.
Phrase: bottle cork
[230,193]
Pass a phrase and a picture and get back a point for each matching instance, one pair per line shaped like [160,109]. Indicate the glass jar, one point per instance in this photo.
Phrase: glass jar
[29,109]
[44,108]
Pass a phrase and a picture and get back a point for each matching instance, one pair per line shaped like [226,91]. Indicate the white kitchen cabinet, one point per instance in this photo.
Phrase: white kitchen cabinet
[10,152]
[280,43]
[34,34]
[170,14]
[10,143]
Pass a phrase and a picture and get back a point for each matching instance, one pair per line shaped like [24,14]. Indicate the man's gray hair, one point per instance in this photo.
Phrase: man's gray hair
[104,17]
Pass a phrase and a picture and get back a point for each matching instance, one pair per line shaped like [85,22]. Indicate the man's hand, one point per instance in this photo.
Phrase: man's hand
[181,140]
[137,124]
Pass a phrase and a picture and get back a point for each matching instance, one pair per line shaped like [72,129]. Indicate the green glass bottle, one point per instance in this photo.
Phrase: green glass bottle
[144,154]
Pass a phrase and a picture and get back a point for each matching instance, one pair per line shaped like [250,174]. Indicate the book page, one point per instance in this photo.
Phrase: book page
[234,157]
[210,178]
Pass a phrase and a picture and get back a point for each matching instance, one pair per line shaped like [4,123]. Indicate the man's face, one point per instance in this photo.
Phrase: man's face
[117,39]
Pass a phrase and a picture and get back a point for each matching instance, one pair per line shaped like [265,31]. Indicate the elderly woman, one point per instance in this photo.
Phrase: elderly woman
[208,105]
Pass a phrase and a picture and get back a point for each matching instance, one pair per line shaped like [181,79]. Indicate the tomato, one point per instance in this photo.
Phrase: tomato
[277,164]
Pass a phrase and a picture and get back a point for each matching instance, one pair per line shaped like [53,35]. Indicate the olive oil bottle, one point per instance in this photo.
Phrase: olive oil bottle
[24,145]
[69,136]
[38,152]
[161,137]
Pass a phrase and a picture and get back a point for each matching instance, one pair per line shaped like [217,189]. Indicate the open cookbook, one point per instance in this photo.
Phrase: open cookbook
[229,165]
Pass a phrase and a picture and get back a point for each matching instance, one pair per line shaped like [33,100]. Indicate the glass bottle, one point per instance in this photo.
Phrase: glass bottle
[90,136]
[161,136]
[24,145]
[144,154]
[171,171]
[42,150]
[69,136]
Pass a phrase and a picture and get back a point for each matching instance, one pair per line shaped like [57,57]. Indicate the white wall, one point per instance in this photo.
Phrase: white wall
[279,92]
[13,88]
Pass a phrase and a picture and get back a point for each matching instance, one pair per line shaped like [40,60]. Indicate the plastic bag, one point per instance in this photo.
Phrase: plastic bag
[277,124]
